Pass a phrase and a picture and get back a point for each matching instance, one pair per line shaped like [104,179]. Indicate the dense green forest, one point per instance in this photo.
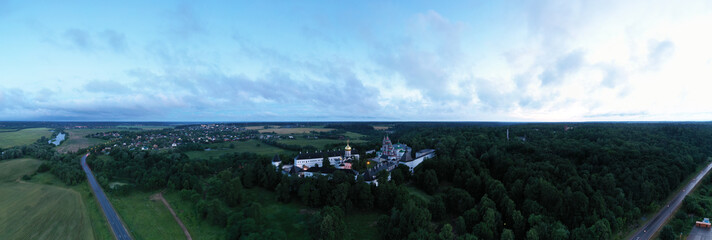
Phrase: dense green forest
[592,181]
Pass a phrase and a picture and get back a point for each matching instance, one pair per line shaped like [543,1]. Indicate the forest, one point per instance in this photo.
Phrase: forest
[546,181]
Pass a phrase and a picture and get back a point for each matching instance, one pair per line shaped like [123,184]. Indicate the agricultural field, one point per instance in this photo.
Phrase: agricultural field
[145,218]
[253,146]
[36,211]
[318,143]
[255,127]
[98,222]
[381,128]
[142,127]
[20,137]
[295,130]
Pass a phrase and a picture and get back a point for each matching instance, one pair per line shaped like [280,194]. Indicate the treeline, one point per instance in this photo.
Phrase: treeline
[215,186]
[592,181]
[547,182]
[65,166]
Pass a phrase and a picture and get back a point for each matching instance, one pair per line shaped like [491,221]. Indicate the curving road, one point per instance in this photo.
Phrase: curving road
[117,226]
[652,226]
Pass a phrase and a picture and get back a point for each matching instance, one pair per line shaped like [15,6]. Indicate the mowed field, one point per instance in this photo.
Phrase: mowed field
[37,211]
[11,138]
[253,146]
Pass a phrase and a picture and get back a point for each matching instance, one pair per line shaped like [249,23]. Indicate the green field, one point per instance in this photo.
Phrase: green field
[146,219]
[219,149]
[295,130]
[318,143]
[22,137]
[29,210]
[143,127]
[98,221]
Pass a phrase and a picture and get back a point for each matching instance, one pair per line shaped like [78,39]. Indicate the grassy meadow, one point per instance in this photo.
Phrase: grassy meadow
[145,218]
[26,136]
[253,146]
[98,222]
[29,210]
[295,130]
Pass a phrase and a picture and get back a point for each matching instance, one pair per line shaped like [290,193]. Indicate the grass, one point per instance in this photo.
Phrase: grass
[146,219]
[12,170]
[199,229]
[318,143]
[353,136]
[98,222]
[219,149]
[294,130]
[22,136]
[30,210]
[418,193]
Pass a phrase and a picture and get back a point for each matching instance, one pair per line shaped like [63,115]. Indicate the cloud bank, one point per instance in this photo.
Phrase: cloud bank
[549,61]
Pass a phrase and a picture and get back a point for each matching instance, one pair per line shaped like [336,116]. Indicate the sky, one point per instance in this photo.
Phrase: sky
[356,61]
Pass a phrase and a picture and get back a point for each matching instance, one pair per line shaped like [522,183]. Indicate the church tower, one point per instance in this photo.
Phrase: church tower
[347,150]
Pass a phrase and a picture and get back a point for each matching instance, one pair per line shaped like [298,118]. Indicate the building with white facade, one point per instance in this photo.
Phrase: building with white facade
[338,159]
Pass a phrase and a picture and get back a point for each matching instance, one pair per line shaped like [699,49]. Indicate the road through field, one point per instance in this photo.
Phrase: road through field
[117,226]
[652,226]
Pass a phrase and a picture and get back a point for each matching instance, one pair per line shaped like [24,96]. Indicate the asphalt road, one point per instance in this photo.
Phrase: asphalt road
[652,226]
[117,227]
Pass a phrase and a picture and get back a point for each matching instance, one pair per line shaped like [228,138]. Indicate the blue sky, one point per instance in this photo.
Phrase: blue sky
[356,60]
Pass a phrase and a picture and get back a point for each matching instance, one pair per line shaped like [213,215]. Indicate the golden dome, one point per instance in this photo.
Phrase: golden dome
[347,148]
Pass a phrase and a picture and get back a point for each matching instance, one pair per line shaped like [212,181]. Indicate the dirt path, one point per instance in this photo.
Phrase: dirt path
[159,196]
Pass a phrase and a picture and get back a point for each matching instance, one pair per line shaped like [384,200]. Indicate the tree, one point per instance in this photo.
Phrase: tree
[667,233]
[397,176]
[234,192]
[430,181]
[339,196]
[325,162]
[532,234]
[436,206]
[282,190]
[446,233]
[331,223]
[364,198]
[507,234]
